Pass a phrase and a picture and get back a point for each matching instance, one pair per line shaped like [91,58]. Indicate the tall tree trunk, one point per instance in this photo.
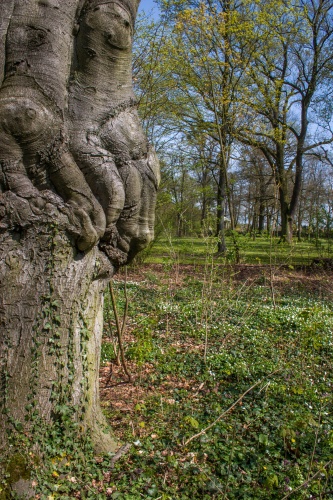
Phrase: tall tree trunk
[203,213]
[262,200]
[51,300]
[268,219]
[180,225]
[299,219]
[261,222]
[286,221]
[204,198]
[220,211]
[254,222]
[282,182]
[77,192]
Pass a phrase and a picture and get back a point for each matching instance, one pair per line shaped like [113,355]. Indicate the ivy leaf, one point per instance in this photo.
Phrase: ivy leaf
[192,422]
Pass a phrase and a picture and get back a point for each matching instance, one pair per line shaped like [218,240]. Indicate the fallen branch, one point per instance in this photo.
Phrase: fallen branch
[227,411]
[122,450]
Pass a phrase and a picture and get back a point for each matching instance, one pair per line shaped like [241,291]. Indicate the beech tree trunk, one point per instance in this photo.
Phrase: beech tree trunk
[78,185]
[286,218]
[220,209]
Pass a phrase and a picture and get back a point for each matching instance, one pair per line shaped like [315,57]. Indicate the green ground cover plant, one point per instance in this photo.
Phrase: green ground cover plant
[230,395]
[198,342]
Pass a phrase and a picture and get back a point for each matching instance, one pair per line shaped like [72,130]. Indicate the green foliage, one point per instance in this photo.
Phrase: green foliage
[269,444]
[107,353]
[277,437]
[143,348]
[247,80]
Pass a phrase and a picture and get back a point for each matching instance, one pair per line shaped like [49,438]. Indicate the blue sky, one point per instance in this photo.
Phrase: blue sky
[147,5]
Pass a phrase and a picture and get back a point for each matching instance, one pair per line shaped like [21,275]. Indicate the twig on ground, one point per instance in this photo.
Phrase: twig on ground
[199,389]
[122,450]
[227,411]
[308,480]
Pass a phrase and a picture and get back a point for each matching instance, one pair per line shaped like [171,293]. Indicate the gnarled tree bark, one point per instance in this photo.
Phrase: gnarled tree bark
[78,184]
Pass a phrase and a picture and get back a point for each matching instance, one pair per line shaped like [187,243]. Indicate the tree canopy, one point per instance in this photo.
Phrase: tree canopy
[241,75]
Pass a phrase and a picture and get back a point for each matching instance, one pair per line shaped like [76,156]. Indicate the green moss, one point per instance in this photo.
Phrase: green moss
[17,469]
[4,494]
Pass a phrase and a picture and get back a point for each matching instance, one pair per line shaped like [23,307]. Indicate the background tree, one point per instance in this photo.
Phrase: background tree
[199,64]
[288,82]
[258,190]
[257,74]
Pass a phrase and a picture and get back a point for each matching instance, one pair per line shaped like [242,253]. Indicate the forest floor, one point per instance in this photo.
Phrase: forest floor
[231,393]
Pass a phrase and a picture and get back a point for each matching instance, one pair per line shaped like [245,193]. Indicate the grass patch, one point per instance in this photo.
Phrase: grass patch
[262,250]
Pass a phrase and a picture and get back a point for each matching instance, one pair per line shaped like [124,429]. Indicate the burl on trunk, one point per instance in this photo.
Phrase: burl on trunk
[78,184]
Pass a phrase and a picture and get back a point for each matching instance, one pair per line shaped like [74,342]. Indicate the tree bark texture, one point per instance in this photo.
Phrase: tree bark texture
[220,210]
[78,185]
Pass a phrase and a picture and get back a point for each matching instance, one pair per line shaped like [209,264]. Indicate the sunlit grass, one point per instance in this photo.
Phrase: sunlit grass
[261,250]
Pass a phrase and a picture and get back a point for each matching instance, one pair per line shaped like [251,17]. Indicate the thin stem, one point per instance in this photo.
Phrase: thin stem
[123,326]
[227,411]
[206,338]
[116,350]
[315,444]
[303,485]
[120,328]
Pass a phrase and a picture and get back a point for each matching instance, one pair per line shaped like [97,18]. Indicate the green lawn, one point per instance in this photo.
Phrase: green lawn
[262,250]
